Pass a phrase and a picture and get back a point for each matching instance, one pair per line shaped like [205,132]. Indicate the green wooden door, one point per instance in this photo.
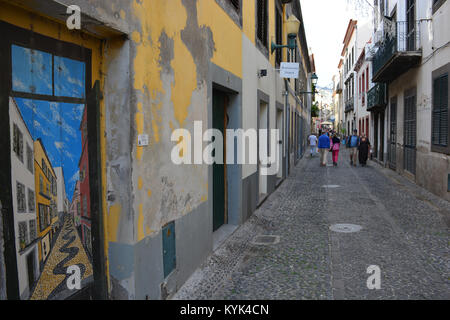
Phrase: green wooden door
[218,169]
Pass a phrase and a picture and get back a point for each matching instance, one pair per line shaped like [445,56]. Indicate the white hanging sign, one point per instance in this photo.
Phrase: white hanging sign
[289,70]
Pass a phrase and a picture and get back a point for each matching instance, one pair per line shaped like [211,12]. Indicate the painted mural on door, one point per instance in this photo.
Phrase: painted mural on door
[50,172]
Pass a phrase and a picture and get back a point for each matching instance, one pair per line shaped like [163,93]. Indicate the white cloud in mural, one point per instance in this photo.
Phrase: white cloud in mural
[19,85]
[54,107]
[75,177]
[30,105]
[76,82]
[77,113]
[61,147]
[40,129]
[37,59]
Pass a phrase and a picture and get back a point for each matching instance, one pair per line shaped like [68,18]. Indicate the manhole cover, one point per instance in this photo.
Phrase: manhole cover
[266,240]
[345,228]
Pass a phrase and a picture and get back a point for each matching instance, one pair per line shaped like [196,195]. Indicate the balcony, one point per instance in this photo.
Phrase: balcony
[399,52]
[376,97]
[350,105]
[339,88]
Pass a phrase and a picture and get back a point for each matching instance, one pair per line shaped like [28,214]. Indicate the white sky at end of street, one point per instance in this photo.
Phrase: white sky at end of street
[326,22]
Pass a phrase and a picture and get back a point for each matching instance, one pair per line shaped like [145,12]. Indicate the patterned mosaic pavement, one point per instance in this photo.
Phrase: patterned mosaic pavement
[68,251]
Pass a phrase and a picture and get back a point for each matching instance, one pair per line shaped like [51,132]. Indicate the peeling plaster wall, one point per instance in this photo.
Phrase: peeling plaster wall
[157,79]
[169,53]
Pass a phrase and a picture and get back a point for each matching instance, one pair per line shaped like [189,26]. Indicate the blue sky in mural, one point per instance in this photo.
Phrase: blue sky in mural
[56,123]
[69,78]
[32,71]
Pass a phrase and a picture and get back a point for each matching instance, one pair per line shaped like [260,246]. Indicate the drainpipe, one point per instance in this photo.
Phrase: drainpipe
[286,128]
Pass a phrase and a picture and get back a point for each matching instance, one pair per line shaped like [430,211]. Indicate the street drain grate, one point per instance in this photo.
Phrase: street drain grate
[345,228]
[266,240]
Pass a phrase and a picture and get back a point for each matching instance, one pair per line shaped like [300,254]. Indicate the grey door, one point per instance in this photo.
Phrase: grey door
[410,132]
[393,135]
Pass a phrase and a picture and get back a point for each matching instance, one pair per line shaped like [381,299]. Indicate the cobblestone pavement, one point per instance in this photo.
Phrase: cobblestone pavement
[405,232]
[68,251]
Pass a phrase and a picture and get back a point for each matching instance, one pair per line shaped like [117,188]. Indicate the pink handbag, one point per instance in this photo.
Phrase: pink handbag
[336,147]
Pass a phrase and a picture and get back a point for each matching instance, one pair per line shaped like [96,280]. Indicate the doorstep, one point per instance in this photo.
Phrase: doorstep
[222,234]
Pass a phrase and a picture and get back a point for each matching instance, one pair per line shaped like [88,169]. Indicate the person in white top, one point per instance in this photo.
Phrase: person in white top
[313,144]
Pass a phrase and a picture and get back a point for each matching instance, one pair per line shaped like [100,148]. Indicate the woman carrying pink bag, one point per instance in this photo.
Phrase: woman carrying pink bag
[335,148]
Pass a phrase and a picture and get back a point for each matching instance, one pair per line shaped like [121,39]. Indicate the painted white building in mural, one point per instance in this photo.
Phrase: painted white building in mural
[410,103]
[63,205]
[24,203]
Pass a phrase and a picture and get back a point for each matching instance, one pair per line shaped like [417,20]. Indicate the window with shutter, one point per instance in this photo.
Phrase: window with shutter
[262,22]
[440,111]
[278,34]
[236,4]
[21,198]
[18,142]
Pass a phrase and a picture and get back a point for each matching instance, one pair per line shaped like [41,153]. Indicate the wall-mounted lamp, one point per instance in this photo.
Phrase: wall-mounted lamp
[292,26]
[314,80]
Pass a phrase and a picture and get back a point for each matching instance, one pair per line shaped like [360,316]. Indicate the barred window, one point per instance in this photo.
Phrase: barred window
[21,200]
[23,235]
[30,157]
[262,22]
[33,231]
[18,142]
[31,201]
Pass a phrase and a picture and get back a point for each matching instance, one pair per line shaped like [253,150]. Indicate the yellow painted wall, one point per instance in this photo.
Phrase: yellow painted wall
[170,17]
[227,36]
[249,21]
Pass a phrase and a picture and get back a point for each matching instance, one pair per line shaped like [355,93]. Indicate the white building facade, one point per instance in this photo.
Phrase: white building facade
[363,73]
[354,43]
[411,63]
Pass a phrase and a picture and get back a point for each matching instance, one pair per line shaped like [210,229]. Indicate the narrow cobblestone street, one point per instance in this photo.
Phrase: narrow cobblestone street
[404,231]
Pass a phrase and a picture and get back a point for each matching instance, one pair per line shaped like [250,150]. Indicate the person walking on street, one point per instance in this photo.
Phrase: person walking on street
[353,143]
[364,148]
[313,144]
[336,146]
[324,147]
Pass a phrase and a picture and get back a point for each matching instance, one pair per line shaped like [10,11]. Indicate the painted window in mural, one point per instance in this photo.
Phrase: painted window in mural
[52,234]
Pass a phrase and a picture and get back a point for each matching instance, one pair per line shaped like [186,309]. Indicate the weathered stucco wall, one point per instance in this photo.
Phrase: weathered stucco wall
[157,77]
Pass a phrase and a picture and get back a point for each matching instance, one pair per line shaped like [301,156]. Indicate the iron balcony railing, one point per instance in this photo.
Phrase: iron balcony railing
[376,97]
[350,105]
[399,37]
